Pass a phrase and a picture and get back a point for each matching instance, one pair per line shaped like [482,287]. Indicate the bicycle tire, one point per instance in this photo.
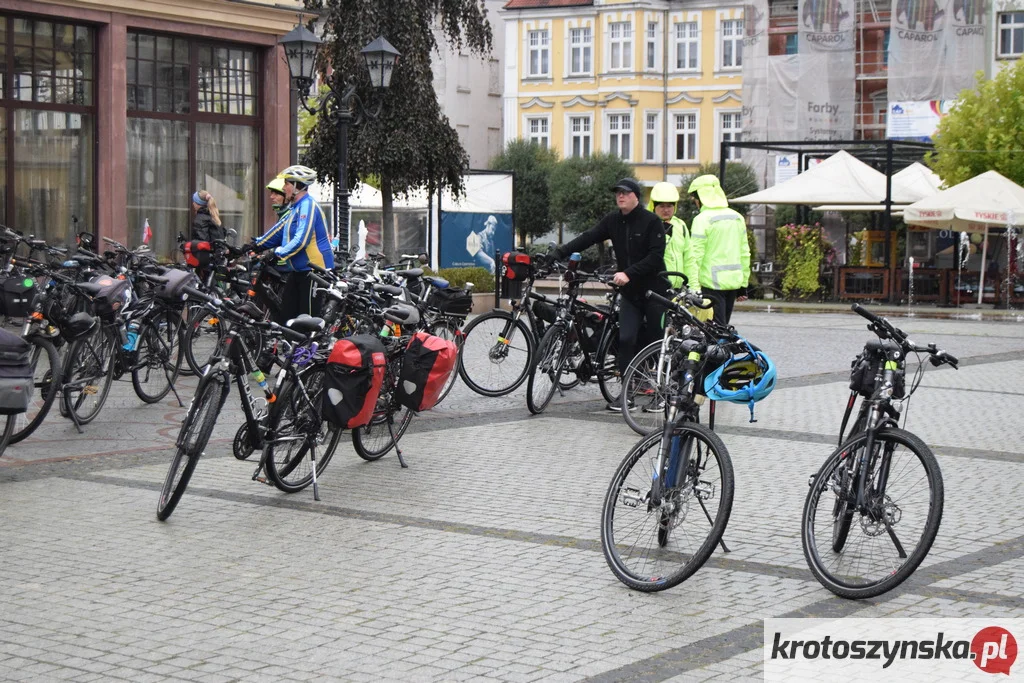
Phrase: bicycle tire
[647,396]
[89,372]
[609,378]
[870,542]
[192,439]
[10,424]
[46,381]
[287,469]
[197,334]
[490,367]
[552,354]
[158,354]
[373,441]
[668,557]
[449,330]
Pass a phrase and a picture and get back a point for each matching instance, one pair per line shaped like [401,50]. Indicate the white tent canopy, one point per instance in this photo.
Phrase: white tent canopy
[972,206]
[913,183]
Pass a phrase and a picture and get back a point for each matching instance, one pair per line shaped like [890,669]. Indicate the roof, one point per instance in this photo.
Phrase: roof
[541,4]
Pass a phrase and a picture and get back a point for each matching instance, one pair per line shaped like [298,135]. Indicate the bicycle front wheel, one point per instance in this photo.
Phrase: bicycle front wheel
[647,391]
[496,354]
[297,427]
[655,547]
[552,357]
[88,374]
[158,357]
[192,439]
[863,551]
[46,381]
[609,377]
[201,335]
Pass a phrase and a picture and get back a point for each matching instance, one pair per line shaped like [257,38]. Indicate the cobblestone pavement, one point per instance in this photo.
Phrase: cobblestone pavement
[482,560]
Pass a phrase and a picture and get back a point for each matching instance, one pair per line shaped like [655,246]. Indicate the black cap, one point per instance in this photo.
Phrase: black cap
[629,185]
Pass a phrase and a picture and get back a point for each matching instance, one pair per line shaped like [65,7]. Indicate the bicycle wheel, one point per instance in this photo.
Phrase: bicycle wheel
[192,439]
[8,431]
[89,373]
[201,336]
[652,548]
[886,539]
[373,441]
[448,329]
[298,425]
[158,357]
[646,392]
[46,380]
[496,354]
[552,355]
[609,377]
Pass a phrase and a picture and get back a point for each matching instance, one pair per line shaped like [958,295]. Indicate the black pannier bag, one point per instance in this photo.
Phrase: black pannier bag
[15,373]
[18,295]
[866,366]
[110,297]
[355,374]
[177,281]
[452,301]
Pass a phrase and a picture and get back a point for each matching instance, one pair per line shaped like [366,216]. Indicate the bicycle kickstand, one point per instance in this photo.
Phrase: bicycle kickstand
[174,391]
[721,541]
[398,449]
[312,460]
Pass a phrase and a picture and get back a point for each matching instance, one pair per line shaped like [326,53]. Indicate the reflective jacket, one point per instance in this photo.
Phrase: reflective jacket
[677,244]
[719,254]
[301,237]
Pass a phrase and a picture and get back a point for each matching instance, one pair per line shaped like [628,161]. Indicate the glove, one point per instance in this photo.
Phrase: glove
[268,257]
[248,246]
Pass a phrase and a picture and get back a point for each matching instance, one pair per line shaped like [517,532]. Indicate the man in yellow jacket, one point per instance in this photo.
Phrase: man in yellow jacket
[664,200]
[718,260]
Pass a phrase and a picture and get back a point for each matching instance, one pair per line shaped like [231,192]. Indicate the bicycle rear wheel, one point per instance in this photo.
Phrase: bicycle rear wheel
[201,334]
[861,552]
[298,425]
[652,548]
[46,381]
[192,439]
[552,357]
[373,441]
[89,373]
[448,329]
[158,357]
[496,354]
[8,431]
[609,377]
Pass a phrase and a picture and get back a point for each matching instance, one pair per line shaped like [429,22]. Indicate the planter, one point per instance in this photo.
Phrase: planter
[484,301]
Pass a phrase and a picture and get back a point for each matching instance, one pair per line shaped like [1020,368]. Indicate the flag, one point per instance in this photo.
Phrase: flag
[147,232]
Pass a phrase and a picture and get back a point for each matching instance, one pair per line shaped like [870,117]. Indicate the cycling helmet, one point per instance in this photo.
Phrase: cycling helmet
[276,185]
[664,193]
[302,175]
[748,379]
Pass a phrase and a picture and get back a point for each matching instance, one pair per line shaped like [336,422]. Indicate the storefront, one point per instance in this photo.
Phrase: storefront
[113,112]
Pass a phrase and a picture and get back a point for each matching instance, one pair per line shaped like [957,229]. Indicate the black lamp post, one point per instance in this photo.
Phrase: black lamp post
[302,47]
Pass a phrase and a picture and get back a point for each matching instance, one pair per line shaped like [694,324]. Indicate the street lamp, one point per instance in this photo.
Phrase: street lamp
[302,50]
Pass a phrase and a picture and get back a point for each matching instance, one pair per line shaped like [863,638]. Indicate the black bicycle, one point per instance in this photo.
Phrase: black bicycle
[874,507]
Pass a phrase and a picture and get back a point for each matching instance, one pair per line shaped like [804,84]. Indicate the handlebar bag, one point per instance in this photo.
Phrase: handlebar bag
[18,295]
[111,297]
[427,364]
[177,281]
[451,301]
[866,366]
[15,373]
[355,374]
[516,265]
[197,253]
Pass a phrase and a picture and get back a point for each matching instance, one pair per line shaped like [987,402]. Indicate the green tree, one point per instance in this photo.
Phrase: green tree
[984,131]
[581,189]
[411,144]
[740,179]
[532,166]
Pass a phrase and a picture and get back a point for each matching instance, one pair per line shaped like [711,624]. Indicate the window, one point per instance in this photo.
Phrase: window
[48,126]
[651,138]
[1011,34]
[686,137]
[792,44]
[539,53]
[687,46]
[537,130]
[885,48]
[462,85]
[619,126]
[192,124]
[621,46]
[579,136]
[493,77]
[732,131]
[652,45]
[732,43]
[580,48]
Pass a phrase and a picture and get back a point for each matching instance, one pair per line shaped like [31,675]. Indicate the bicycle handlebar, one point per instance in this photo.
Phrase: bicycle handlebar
[884,329]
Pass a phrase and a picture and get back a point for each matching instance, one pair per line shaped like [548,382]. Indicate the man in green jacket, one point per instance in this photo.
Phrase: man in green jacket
[664,200]
[718,261]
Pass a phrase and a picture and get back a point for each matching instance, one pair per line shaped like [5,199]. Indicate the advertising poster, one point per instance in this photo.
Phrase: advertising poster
[471,239]
[915,120]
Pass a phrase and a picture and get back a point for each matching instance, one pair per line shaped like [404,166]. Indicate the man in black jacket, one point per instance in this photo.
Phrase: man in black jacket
[638,238]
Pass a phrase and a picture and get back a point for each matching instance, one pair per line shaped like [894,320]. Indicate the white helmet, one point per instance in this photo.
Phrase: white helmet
[298,174]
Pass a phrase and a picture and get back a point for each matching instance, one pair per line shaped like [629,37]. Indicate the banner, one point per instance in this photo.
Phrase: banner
[915,120]
[965,47]
[916,48]
[471,239]
[826,91]
[783,76]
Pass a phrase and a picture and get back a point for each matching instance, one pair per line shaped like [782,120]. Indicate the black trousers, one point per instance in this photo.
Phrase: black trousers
[640,323]
[296,297]
[723,300]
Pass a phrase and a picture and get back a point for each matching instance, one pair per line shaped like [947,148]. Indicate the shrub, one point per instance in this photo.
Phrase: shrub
[482,279]
[802,249]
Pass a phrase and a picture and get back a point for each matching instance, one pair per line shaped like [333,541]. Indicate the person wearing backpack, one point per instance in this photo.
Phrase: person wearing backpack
[663,202]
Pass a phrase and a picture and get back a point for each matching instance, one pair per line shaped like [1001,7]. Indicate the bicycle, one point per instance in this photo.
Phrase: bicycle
[882,477]
[568,348]
[651,530]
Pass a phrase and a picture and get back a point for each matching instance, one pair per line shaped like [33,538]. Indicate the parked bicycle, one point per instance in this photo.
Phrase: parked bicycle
[874,508]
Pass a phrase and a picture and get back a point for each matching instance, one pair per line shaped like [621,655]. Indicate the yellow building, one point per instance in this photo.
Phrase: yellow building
[657,83]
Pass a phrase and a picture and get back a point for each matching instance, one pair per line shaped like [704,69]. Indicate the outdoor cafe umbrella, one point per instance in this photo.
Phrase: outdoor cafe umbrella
[972,206]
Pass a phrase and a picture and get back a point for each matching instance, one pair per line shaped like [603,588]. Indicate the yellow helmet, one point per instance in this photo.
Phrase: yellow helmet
[276,185]
[664,193]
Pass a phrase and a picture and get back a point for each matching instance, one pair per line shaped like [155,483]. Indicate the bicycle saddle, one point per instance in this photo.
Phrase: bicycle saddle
[388,289]
[402,314]
[438,282]
[306,324]
[412,272]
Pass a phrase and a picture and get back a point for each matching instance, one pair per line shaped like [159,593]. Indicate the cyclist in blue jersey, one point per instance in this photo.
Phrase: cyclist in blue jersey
[299,239]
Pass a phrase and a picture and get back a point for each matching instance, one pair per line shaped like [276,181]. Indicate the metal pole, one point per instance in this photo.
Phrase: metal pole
[343,117]
[981,269]
[890,262]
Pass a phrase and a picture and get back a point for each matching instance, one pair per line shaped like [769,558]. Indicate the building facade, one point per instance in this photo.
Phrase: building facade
[113,112]
[657,84]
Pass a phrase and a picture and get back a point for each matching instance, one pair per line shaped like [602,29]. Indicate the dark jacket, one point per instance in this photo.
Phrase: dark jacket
[204,229]
[638,239]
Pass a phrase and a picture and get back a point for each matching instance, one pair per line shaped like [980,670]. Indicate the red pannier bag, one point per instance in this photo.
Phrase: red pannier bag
[355,373]
[516,265]
[197,254]
[426,366]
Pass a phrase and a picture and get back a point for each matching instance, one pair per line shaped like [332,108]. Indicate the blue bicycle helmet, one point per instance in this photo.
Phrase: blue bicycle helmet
[748,379]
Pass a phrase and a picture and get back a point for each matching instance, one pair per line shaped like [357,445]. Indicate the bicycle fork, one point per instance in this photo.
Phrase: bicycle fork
[871,496]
